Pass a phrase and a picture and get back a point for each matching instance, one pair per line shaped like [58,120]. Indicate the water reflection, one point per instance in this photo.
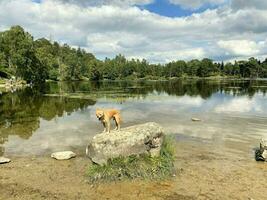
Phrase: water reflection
[203,88]
[21,112]
[61,115]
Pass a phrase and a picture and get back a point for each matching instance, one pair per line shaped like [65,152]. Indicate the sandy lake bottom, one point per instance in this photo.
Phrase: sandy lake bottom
[201,174]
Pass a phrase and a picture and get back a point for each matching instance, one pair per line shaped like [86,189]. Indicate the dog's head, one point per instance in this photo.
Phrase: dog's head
[99,113]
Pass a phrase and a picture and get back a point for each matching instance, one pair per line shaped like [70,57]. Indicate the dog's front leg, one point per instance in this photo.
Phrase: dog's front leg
[105,127]
[108,126]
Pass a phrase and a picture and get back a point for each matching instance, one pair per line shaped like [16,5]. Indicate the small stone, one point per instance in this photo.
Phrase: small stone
[4,160]
[195,119]
[63,155]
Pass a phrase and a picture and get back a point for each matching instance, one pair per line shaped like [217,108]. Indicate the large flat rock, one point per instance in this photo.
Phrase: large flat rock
[133,140]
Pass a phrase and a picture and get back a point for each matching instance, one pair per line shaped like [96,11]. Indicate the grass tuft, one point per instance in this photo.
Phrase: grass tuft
[142,166]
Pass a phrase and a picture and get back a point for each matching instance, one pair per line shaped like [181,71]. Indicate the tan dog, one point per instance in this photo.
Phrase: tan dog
[105,115]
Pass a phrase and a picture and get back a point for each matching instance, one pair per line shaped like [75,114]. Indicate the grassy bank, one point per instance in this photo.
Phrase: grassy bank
[143,166]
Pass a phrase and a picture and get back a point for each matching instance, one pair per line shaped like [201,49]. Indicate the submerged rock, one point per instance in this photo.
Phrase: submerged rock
[133,140]
[4,160]
[63,155]
[195,119]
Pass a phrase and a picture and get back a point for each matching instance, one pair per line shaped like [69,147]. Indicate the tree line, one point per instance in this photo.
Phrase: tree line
[39,60]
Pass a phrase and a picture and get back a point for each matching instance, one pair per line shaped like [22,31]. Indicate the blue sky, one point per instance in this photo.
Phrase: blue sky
[157,30]
[165,8]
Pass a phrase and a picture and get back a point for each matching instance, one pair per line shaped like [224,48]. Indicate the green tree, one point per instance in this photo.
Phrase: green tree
[228,69]
[206,67]
[192,67]
[253,68]
[20,58]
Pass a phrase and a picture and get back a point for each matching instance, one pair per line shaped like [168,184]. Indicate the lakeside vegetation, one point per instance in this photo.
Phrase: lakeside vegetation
[39,60]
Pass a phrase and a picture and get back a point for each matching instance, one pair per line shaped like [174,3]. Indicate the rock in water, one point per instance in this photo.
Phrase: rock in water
[261,153]
[63,155]
[195,119]
[133,140]
[4,160]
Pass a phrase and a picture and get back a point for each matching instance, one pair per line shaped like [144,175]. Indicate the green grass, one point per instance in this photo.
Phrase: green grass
[142,166]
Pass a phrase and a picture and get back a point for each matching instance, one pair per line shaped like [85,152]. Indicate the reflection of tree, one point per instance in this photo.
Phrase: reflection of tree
[121,90]
[20,112]
[57,106]
[203,88]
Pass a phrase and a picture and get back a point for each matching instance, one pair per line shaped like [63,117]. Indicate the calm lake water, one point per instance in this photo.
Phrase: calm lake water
[61,116]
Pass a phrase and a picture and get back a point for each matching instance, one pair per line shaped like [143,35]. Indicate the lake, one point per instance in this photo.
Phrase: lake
[61,116]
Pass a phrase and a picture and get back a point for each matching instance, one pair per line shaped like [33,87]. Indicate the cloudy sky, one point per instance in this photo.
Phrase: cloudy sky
[157,30]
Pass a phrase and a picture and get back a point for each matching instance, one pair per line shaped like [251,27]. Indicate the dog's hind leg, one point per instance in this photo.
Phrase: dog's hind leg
[116,124]
[117,120]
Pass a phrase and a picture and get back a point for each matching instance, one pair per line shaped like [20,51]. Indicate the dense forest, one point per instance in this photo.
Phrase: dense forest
[39,60]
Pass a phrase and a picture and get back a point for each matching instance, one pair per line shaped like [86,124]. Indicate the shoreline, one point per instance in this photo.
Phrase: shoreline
[201,173]
[165,79]
[4,87]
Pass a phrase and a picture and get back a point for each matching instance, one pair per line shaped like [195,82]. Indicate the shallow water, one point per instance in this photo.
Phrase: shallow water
[61,116]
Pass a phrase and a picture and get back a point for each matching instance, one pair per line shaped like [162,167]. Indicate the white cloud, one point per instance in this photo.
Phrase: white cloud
[190,101]
[240,47]
[168,56]
[109,29]
[181,102]
[241,4]
[240,105]
[195,4]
